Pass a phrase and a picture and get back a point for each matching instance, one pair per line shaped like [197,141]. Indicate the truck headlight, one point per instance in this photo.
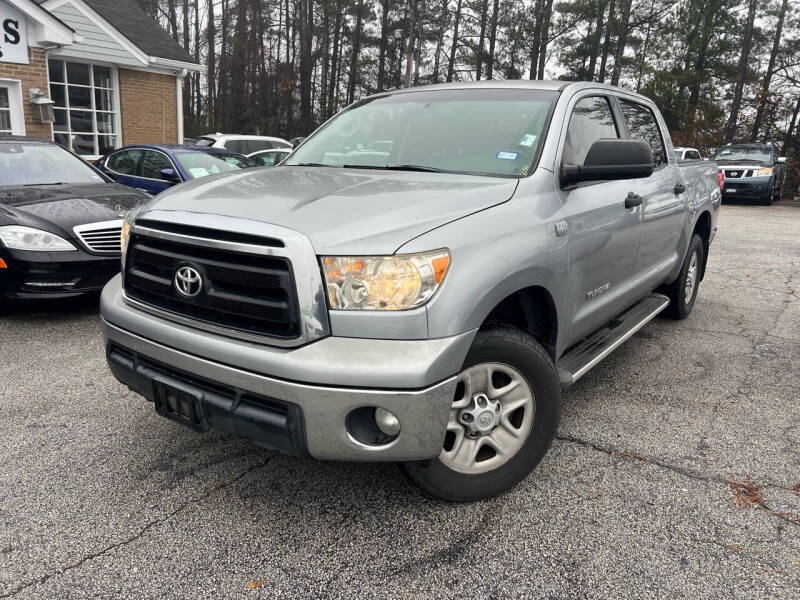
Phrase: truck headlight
[395,282]
[764,172]
[19,237]
[125,233]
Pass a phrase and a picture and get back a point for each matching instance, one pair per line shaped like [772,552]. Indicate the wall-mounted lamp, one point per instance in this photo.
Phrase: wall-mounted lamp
[42,106]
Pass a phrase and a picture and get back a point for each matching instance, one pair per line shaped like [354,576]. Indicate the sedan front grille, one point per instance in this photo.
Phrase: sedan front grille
[241,291]
[102,238]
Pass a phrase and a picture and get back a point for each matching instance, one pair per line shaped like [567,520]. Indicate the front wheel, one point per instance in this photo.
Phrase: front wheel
[504,417]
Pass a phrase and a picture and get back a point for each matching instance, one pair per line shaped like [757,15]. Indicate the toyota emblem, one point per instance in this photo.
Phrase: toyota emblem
[188,282]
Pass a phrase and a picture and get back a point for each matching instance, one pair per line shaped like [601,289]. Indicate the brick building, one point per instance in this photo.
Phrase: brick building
[110,74]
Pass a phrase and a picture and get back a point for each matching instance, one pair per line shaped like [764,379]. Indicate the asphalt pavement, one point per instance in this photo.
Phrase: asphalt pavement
[676,472]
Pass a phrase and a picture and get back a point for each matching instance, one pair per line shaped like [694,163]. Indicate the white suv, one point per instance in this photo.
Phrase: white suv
[242,144]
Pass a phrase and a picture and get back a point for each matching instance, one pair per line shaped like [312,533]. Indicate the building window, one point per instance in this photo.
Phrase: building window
[85,107]
[5,112]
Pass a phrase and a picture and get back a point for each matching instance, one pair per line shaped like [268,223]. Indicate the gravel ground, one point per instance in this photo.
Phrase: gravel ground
[675,473]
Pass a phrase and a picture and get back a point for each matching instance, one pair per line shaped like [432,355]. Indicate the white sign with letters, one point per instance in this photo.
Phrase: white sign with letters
[13,35]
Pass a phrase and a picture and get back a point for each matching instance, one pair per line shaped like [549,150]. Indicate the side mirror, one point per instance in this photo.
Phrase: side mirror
[611,159]
[170,175]
[781,159]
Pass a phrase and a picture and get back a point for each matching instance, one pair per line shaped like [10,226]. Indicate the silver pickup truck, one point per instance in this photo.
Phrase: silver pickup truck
[417,281]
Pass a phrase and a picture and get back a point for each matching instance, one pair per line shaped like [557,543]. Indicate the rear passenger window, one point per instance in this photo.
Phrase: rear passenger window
[125,162]
[237,146]
[693,155]
[258,145]
[591,120]
[642,125]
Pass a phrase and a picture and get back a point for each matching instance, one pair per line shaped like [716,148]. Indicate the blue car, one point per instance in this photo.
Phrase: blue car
[155,168]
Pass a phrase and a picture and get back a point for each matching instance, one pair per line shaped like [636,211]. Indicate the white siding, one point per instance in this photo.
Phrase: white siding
[97,45]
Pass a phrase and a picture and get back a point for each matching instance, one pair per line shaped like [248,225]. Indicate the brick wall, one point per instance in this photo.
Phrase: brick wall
[32,75]
[149,107]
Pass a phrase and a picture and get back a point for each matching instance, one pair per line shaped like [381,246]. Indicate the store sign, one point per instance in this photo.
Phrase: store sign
[13,35]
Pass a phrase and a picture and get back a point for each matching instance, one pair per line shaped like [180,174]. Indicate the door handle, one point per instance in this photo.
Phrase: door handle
[632,200]
[679,188]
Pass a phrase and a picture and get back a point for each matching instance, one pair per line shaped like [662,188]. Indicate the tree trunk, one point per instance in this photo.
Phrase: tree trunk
[623,27]
[411,40]
[385,6]
[536,37]
[546,15]
[211,61]
[443,21]
[747,42]
[452,61]
[644,48]
[610,26]
[594,48]
[482,40]
[492,41]
[306,66]
[173,18]
[764,94]
[353,77]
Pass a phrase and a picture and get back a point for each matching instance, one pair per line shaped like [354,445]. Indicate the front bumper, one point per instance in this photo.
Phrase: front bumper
[31,275]
[747,188]
[297,401]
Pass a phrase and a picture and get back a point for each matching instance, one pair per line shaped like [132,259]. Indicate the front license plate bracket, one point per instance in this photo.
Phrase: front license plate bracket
[180,404]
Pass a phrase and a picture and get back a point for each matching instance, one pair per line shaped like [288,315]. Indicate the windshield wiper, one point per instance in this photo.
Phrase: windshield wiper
[308,164]
[421,168]
[54,183]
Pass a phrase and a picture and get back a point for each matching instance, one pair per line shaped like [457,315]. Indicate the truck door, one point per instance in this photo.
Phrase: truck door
[663,199]
[603,234]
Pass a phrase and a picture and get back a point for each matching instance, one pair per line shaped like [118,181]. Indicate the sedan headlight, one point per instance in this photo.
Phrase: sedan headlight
[764,172]
[19,237]
[395,282]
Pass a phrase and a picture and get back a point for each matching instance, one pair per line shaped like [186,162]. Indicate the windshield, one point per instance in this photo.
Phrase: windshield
[202,164]
[476,131]
[758,154]
[24,163]
[204,141]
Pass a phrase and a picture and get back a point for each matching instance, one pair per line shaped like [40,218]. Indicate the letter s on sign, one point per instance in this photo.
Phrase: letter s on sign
[11,30]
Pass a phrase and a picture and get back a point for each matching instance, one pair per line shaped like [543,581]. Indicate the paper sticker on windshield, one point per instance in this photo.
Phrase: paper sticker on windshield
[198,172]
[507,155]
[528,140]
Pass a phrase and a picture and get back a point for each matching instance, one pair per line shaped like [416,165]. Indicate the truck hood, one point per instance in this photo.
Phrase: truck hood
[58,208]
[342,211]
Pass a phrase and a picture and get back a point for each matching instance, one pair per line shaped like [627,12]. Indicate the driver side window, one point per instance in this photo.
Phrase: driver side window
[591,120]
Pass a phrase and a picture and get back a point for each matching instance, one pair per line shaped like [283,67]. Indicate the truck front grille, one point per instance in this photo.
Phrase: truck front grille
[246,292]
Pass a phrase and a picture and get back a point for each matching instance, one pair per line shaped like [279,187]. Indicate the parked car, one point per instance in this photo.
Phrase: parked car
[155,168]
[269,158]
[751,171]
[60,222]
[687,153]
[242,144]
[425,305]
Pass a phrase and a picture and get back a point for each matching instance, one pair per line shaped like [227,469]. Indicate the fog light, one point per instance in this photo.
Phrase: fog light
[387,422]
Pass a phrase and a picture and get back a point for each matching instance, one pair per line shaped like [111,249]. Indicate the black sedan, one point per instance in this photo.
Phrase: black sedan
[60,221]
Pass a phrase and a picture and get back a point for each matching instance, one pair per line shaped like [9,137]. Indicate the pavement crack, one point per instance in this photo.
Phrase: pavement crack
[140,533]
[696,475]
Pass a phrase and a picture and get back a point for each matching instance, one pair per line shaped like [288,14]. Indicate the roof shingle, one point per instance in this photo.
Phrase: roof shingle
[127,17]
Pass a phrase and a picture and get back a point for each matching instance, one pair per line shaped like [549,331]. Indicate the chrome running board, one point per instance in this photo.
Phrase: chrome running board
[591,350]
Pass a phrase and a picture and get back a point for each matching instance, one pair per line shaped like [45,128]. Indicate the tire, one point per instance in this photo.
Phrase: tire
[767,200]
[681,299]
[508,355]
